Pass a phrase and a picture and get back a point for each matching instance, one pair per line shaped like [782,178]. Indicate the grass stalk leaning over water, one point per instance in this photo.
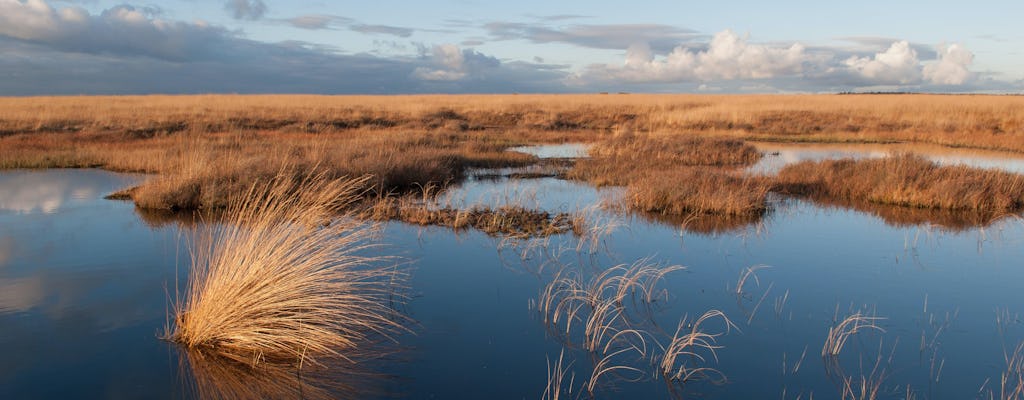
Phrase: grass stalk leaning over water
[281,279]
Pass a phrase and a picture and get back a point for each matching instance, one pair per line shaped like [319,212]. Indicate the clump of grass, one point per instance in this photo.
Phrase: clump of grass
[906,180]
[624,160]
[694,191]
[507,220]
[281,279]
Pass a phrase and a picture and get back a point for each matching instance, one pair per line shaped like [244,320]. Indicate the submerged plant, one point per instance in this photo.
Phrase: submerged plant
[281,278]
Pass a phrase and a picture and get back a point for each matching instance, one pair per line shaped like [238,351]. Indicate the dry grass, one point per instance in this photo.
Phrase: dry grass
[506,220]
[1011,381]
[208,150]
[843,330]
[281,280]
[677,175]
[626,159]
[995,122]
[556,376]
[687,347]
[907,180]
[690,191]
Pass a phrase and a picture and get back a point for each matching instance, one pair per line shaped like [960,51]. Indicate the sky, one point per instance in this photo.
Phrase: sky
[524,46]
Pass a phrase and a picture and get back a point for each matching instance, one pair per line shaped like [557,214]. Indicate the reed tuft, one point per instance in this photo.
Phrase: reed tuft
[281,279]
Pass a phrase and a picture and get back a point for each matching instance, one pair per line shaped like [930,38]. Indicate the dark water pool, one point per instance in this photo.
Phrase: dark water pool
[84,283]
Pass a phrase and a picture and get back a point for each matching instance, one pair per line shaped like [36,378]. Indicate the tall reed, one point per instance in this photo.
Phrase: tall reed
[282,279]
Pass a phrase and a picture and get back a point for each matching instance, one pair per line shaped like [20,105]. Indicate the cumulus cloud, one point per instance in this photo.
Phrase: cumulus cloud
[122,30]
[246,9]
[952,66]
[728,56]
[450,63]
[898,65]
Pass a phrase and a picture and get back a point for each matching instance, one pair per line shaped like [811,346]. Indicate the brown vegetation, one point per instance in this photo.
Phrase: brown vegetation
[281,279]
[906,180]
[995,122]
[699,191]
[207,150]
[508,220]
[677,175]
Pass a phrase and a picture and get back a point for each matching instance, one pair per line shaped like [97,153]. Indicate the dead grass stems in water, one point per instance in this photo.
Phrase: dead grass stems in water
[907,180]
[614,308]
[869,386]
[283,280]
[556,378]
[1011,380]
[843,330]
[689,344]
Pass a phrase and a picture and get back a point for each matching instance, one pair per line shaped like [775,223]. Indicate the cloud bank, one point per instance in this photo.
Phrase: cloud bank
[128,49]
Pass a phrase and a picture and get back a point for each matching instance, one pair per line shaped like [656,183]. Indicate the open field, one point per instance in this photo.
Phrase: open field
[995,122]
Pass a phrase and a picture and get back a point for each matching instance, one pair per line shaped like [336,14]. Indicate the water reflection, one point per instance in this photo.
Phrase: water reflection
[46,192]
[6,249]
[778,155]
[210,376]
[899,216]
[567,150]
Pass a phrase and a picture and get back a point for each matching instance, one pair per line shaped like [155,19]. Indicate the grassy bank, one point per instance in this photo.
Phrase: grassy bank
[677,175]
[906,180]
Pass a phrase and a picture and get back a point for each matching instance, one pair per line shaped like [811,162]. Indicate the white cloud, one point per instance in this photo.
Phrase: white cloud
[952,66]
[896,66]
[727,57]
[119,30]
[447,62]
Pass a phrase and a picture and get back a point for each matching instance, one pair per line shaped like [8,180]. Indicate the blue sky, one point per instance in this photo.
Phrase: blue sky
[460,46]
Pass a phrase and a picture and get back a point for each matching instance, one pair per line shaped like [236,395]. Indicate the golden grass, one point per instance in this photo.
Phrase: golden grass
[281,280]
[962,121]
[1011,381]
[699,192]
[687,345]
[842,331]
[506,220]
[207,150]
[677,175]
[906,180]
[556,376]
[625,159]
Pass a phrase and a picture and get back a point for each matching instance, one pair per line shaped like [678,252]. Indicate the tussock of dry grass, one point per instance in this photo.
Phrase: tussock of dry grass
[510,220]
[699,191]
[906,180]
[677,175]
[281,280]
[628,158]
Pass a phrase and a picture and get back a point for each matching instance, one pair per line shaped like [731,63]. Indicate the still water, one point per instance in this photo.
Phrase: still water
[84,283]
